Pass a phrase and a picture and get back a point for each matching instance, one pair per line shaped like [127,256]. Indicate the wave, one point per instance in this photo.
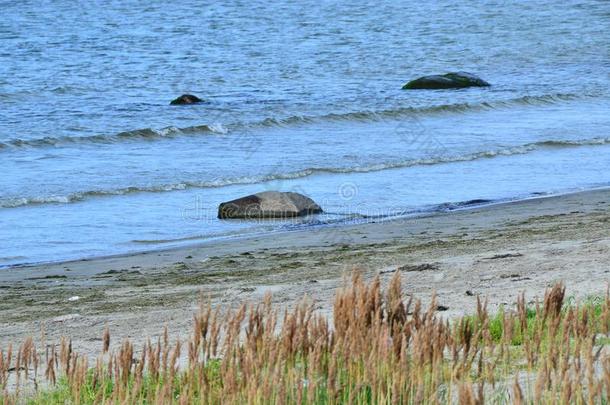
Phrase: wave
[219,128]
[146,133]
[373,115]
[246,180]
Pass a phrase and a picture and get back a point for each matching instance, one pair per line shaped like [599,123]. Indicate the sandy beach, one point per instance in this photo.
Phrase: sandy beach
[494,252]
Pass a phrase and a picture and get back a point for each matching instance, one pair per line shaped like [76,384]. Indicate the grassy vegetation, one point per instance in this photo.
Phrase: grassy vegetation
[377,349]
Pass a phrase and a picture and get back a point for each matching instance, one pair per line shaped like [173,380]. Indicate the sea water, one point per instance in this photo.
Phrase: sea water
[301,97]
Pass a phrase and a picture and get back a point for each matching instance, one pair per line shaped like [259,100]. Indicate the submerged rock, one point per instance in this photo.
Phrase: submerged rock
[186,99]
[454,80]
[269,204]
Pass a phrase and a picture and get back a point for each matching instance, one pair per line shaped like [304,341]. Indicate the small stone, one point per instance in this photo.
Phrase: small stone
[186,99]
[454,80]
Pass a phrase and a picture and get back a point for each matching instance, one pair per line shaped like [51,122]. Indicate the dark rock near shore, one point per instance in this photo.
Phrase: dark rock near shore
[455,80]
[186,99]
[268,204]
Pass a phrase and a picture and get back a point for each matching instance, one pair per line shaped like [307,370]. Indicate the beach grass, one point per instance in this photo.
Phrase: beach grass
[380,347]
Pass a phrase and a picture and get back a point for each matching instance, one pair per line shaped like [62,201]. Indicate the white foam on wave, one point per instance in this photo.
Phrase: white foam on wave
[262,178]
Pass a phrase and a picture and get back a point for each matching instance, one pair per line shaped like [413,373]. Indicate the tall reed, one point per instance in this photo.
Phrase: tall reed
[378,349]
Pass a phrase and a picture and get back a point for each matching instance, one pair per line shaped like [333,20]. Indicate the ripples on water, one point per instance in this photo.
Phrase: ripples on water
[300,97]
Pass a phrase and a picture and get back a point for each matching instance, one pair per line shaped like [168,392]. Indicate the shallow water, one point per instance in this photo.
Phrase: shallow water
[300,97]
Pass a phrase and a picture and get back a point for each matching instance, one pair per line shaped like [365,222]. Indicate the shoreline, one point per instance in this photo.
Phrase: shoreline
[494,251]
[198,241]
[460,206]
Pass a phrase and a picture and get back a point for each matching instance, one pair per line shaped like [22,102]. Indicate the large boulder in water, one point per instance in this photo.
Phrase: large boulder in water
[186,99]
[269,204]
[455,80]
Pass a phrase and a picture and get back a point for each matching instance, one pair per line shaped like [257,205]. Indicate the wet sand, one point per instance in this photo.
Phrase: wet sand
[494,252]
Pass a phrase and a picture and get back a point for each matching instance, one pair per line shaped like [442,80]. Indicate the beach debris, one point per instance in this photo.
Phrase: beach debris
[418,267]
[112,272]
[503,256]
[74,298]
[186,99]
[515,277]
[442,308]
[469,293]
[64,318]
[48,277]
[453,80]
[181,266]
[268,204]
